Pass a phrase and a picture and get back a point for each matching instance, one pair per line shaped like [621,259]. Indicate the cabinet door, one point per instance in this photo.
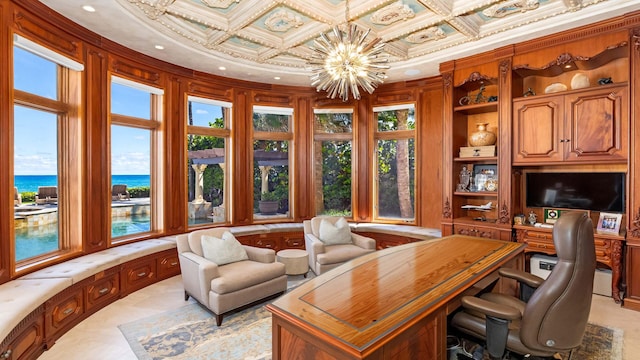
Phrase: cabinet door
[597,123]
[537,127]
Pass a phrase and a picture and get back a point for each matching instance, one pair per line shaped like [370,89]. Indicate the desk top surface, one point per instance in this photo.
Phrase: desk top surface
[366,299]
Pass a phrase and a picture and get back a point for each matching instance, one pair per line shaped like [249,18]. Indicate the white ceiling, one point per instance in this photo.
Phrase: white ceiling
[259,40]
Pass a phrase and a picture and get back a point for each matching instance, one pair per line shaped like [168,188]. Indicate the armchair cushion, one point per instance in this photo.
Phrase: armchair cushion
[245,274]
[333,234]
[336,254]
[223,251]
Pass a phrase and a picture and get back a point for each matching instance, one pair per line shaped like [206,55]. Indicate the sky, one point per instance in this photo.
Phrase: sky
[35,131]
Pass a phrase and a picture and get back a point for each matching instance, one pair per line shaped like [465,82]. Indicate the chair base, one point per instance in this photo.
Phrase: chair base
[241,308]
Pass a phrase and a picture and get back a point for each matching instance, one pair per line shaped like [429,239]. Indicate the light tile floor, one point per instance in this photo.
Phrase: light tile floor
[98,336]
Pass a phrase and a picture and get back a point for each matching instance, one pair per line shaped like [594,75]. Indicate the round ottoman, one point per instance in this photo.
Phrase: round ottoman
[295,261]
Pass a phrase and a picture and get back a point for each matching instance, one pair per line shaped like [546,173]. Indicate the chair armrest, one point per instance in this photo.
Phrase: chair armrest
[197,273]
[314,245]
[363,241]
[262,255]
[489,308]
[522,277]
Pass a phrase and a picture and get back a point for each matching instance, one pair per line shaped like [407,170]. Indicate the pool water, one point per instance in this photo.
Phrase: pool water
[37,240]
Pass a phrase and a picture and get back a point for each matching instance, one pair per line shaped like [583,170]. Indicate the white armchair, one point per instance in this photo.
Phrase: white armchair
[326,254]
[223,288]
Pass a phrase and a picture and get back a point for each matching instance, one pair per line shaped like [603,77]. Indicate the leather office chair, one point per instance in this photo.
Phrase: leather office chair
[555,317]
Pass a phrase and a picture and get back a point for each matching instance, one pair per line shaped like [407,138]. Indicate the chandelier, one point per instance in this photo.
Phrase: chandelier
[342,62]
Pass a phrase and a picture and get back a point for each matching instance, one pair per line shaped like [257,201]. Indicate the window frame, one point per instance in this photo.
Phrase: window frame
[69,123]
[288,136]
[392,135]
[318,136]
[155,125]
[226,134]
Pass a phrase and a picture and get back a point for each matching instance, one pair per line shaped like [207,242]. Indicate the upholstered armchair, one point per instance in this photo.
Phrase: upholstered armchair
[330,243]
[222,288]
[555,316]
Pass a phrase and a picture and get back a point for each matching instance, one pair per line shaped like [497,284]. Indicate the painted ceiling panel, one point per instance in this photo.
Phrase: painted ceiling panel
[272,38]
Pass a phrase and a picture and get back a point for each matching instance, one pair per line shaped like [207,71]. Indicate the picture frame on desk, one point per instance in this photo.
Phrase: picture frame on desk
[551,215]
[609,223]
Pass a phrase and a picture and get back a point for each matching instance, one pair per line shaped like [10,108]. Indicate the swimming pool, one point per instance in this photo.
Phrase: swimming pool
[37,240]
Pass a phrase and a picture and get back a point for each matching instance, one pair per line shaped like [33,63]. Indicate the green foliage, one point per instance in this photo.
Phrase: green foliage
[139,192]
[336,176]
[269,196]
[28,196]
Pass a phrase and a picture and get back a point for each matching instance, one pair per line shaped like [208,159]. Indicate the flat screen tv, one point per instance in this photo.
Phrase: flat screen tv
[595,191]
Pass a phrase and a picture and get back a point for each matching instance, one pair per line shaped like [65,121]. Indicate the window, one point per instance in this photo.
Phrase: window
[208,131]
[395,163]
[332,154]
[46,169]
[272,141]
[136,113]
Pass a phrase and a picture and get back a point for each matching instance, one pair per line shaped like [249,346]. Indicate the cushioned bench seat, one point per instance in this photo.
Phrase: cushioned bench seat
[81,268]
[18,298]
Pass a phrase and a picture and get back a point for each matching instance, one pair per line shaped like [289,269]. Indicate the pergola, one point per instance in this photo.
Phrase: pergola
[202,158]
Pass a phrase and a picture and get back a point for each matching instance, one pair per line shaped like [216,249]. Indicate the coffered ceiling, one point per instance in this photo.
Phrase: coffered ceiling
[269,40]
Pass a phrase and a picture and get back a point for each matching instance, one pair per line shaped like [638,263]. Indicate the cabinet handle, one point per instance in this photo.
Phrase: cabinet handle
[174,263]
[68,311]
[142,274]
[103,291]
[6,354]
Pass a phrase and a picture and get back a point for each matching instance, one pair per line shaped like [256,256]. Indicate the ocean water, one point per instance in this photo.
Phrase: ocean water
[30,183]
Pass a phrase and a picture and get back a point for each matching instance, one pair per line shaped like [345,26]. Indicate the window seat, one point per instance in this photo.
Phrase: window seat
[39,307]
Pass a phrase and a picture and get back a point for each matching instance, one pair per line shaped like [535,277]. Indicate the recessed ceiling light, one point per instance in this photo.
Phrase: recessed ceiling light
[222,68]
[277,77]
[89,8]
[159,47]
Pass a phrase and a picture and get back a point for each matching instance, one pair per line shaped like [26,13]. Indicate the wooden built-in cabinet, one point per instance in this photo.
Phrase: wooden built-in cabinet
[462,118]
[632,260]
[40,329]
[588,125]
[276,241]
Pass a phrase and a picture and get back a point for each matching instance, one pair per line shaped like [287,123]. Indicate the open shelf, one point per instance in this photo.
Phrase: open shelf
[567,62]
[481,108]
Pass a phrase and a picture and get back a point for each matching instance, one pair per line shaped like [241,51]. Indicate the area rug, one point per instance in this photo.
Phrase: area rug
[190,332]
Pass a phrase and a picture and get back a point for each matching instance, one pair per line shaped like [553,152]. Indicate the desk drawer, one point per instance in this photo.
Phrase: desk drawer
[477,231]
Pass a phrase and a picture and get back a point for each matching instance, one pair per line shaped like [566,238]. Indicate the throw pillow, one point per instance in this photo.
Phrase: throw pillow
[223,251]
[333,234]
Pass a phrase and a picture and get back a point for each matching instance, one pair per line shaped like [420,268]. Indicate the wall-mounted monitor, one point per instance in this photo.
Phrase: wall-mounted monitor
[595,191]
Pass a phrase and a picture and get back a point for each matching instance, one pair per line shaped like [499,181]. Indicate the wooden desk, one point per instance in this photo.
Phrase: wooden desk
[391,304]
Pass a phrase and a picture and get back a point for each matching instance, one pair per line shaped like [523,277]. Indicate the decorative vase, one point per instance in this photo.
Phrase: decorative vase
[482,137]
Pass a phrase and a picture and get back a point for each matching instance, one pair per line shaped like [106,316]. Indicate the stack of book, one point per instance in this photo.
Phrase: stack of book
[477,151]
